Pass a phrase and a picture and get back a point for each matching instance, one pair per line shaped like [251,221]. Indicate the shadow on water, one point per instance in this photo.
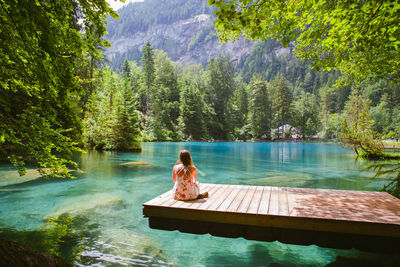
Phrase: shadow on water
[277,254]
[258,255]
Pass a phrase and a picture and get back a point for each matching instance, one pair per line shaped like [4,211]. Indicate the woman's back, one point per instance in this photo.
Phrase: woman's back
[184,175]
[186,186]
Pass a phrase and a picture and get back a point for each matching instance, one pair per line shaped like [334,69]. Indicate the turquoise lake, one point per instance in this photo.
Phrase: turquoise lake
[96,219]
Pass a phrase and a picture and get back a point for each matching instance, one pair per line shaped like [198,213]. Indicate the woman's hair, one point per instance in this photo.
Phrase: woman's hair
[185,158]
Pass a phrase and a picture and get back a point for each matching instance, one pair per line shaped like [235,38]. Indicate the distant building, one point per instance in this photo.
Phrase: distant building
[289,130]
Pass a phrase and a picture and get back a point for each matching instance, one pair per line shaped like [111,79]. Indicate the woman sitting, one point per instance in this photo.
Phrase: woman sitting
[184,175]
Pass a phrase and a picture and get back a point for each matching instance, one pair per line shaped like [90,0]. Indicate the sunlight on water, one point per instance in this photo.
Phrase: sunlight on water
[97,219]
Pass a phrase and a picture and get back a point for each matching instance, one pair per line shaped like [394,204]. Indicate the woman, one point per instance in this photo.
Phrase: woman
[184,175]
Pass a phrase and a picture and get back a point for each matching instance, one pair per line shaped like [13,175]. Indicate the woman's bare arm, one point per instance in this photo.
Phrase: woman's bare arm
[173,174]
[195,174]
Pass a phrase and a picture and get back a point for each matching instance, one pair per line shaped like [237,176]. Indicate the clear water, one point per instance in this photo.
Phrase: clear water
[97,219]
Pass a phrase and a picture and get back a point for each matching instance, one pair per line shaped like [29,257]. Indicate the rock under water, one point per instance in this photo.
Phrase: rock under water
[16,255]
[13,177]
[136,163]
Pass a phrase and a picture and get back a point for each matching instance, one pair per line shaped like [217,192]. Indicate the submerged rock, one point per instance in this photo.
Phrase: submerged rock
[123,247]
[78,205]
[15,255]
[290,180]
[13,177]
[136,163]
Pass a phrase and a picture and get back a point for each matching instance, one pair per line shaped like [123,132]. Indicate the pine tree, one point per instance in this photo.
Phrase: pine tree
[148,71]
[126,69]
[357,127]
[192,112]
[259,108]
[308,83]
[281,101]
[221,85]
[126,129]
[305,114]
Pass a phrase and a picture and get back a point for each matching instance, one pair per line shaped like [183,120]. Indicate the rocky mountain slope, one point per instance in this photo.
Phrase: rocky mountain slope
[189,37]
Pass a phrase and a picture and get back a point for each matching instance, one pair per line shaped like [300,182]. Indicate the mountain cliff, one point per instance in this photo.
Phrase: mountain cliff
[184,29]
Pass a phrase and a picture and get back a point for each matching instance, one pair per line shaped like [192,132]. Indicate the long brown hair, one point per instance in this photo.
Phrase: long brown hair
[186,160]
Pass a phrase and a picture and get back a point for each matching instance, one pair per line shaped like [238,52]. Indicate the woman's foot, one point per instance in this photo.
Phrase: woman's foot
[203,195]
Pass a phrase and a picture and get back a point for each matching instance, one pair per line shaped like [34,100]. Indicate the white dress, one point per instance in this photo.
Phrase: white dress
[186,186]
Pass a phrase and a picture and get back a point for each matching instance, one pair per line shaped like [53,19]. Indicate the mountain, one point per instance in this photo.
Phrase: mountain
[182,28]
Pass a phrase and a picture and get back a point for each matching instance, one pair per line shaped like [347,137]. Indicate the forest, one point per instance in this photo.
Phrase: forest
[174,103]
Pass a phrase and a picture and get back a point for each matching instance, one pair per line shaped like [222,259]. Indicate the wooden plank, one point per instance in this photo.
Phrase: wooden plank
[292,198]
[214,188]
[229,199]
[264,202]
[160,199]
[233,207]
[248,199]
[215,196]
[255,202]
[283,202]
[278,202]
[218,200]
[273,208]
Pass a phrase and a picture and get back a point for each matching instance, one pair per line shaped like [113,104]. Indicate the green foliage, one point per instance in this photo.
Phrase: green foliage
[111,121]
[360,38]
[165,96]
[357,128]
[305,114]
[331,125]
[192,109]
[259,108]
[40,42]
[148,71]
[391,170]
[240,110]
[61,236]
[221,85]
[281,101]
[205,34]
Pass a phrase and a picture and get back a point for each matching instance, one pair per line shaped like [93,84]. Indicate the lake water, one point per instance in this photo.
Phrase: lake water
[97,219]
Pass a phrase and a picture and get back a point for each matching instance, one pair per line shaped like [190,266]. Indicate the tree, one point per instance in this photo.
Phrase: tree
[192,111]
[240,104]
[221,85]
[381,114]
[148,71]
[259,108]
[308,82]
[126,129]
[40,42]
[305,114]
[100,115]
[360,38]
[126,69]
[357,128]
[281,101]
[164,98]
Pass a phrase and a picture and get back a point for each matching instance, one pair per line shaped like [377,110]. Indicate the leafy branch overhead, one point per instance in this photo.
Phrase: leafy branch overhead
[41,43]
[360,38]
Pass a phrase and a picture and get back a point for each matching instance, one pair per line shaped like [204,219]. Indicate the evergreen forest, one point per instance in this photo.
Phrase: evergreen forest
[224,101]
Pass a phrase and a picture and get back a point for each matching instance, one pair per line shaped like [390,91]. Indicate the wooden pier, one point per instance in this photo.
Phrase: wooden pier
[327,218]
